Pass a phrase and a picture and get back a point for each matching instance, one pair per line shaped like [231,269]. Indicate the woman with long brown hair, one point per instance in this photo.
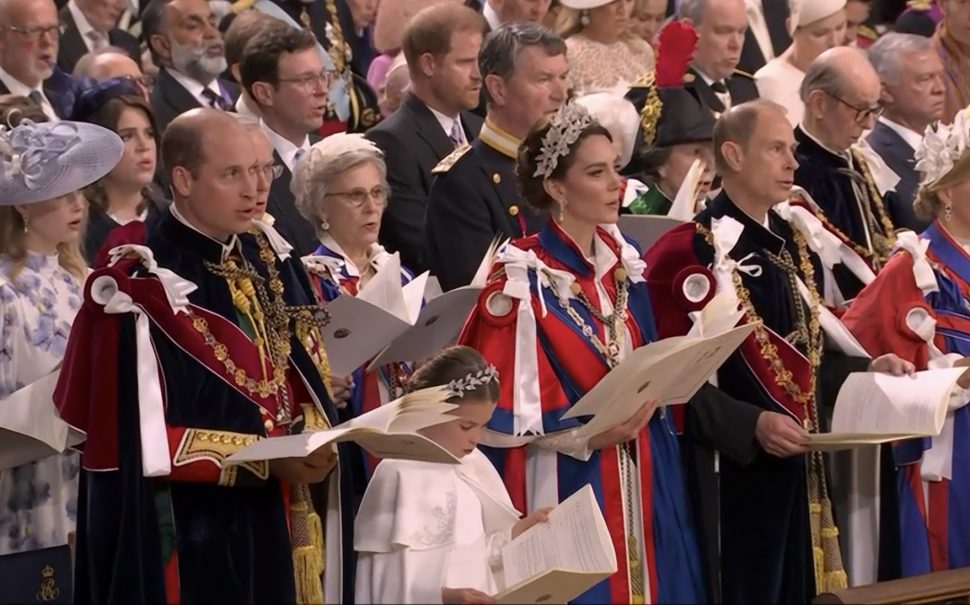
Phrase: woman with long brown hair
[42,272]
[127,193]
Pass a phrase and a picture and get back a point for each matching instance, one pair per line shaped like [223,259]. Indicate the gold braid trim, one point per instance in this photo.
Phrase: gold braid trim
[652,108]
[882,242]
[827,556]
[216,446]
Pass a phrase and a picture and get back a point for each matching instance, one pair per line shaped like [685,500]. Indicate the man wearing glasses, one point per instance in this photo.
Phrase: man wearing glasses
[841,92]
[284,74]
[29,35]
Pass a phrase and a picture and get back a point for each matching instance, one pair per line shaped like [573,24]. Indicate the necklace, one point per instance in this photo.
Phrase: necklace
[613,322]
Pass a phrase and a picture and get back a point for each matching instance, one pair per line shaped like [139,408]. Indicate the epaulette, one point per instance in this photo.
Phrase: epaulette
[451,159]
[738,72]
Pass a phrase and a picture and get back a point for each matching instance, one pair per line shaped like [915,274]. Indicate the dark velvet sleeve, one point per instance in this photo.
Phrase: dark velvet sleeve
[719,421]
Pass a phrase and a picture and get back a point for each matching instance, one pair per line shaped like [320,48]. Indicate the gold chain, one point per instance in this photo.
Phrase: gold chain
[782,376]
[613,322]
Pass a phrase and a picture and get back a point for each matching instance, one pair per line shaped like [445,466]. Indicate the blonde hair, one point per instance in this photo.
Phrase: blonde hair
[927,205]
[13,246]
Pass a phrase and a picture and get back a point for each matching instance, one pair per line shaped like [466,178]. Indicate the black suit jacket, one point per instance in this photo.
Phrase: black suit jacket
[169,98]
[899,156]
[289,222]
[776,15]
[61,100]
[471,203]
[740,85]
[72,46]
[413,143]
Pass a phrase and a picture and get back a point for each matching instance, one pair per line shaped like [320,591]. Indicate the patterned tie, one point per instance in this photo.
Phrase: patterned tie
[215,99]
[296,157]
[456,134]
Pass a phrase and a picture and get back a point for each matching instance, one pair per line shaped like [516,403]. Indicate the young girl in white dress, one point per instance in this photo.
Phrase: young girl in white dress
[430,532]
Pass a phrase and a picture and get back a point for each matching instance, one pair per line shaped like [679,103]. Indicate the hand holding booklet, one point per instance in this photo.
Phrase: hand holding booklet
[556,561]
[391,321]
[874,408]
[30,427]
[671,370]
[390,431]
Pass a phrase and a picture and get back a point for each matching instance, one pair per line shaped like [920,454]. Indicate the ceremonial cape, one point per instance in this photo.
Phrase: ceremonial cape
[918,309]
[160,374]
[765,540]
[547,363]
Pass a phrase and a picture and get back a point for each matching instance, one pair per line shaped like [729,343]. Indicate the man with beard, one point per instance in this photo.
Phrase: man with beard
[284,75]
[29,37]
[441,45]
[187,47]
[475,196]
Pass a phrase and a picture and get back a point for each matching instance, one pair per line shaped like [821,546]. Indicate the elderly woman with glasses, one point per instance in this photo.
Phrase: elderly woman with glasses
[340,186]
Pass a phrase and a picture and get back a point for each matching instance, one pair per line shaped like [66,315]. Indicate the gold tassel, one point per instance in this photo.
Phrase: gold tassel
[306,532]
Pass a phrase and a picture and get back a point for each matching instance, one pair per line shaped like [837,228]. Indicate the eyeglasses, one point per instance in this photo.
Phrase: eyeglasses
[36,32]
[358,197]
[862,114]
[146,81]
[309,81]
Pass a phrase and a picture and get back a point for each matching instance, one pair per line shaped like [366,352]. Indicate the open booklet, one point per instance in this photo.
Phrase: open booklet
[30,427]
[875,408]
[672,370]
[390,431]
[556,561]
[387,322]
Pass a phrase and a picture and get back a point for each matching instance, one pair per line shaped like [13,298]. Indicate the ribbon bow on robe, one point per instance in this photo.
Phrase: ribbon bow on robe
[527,402]
[325,265]
[923,272]
[105,291]
[629,257]
[727,232]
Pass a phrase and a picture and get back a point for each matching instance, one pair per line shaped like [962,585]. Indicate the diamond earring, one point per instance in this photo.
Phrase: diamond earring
[325,224]
[584,18]
[948,212]
[562,210]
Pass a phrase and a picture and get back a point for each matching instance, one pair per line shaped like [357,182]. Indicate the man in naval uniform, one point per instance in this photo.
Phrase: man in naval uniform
[475,195]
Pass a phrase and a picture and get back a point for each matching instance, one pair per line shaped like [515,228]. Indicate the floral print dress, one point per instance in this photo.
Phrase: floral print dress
[38,500]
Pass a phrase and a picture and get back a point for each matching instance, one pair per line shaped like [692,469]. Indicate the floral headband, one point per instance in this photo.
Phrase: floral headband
[473,381]
[943,145]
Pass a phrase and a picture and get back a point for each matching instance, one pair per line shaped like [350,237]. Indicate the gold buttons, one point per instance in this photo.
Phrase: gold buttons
[496,178]
[513,210]
[268,425]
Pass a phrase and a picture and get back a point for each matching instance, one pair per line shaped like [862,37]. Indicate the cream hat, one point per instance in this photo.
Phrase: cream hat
[585,4]
[804,12]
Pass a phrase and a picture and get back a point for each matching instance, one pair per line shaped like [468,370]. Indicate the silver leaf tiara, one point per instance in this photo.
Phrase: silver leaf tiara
[566,125]
[472,381]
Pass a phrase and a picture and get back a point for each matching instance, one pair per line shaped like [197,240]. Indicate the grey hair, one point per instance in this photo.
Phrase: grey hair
[824,76]
[886,52]
[500,52]
[325,161]
[692,10]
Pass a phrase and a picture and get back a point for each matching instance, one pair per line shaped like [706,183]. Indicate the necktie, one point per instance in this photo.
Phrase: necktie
[36,98]
[215,99]
[456,133]
[98,40]
[719,87]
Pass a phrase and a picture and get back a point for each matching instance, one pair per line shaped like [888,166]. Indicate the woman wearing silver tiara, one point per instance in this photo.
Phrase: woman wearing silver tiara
[42,169]
[429,532]
[562,308]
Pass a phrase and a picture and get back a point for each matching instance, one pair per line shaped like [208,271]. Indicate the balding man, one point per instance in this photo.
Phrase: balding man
[788,370]
[169,520]
[721,27]
[29,36]
[113,62]
[841,92]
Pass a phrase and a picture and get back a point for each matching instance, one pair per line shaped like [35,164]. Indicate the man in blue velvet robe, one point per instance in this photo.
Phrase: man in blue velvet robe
[204,340]
[765,538]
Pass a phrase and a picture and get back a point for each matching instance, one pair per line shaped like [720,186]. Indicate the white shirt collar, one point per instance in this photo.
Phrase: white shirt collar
[447,123]
[18,88]
[84,26]
[604,258]
[912,138]
[243,108]
[845,155]
[283,146]
[227,247]
[491,17]
[194,87]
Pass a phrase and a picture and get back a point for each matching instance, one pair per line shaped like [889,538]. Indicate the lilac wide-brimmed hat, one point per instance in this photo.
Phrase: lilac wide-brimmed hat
[43,161]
